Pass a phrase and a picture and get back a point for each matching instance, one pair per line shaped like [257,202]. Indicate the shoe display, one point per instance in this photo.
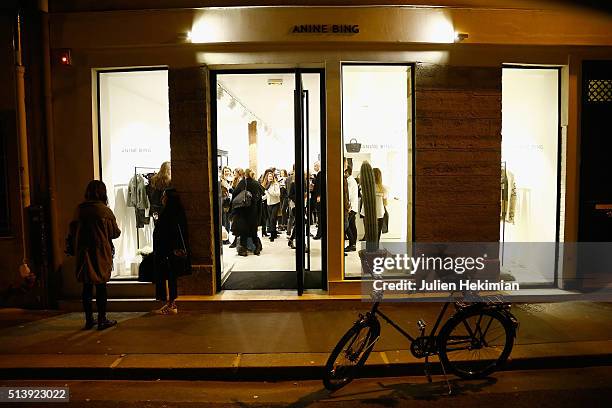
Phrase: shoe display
[106,323]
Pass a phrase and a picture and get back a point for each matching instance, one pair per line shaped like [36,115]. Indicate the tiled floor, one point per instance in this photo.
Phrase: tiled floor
[275,256]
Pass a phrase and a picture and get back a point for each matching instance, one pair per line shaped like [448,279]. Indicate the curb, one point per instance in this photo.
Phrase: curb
[57,371]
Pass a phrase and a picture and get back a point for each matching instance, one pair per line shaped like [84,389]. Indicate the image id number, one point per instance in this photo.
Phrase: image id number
[30,394]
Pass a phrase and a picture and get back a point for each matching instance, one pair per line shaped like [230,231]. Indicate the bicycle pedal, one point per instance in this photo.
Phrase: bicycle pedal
[421,324]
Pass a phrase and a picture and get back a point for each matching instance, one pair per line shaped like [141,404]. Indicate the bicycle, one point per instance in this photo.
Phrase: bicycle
[484,329]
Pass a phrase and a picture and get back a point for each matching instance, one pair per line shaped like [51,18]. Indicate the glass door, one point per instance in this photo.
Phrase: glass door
[310,181]
[270,126]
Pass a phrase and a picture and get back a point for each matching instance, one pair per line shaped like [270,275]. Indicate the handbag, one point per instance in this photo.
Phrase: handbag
[146,269]
[385,223]
[179,258]
[242,200]
[353,146]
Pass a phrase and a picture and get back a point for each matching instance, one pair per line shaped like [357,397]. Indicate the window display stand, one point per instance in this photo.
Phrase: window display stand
[136,173]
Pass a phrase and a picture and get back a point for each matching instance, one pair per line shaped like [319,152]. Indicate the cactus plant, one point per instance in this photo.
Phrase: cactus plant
[368,197]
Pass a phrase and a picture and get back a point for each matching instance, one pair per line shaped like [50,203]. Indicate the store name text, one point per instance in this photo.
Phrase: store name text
[325,28]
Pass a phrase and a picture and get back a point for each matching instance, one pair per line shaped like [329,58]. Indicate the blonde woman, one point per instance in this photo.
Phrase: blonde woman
[159,182]
[273,193]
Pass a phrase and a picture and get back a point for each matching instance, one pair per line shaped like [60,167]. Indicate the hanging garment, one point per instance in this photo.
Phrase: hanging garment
[508,197]
[137,193]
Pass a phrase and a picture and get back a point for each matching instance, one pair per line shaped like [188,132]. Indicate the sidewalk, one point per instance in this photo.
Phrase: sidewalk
[273,344]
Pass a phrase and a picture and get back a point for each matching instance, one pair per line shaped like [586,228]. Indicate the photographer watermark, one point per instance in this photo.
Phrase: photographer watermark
[438,271]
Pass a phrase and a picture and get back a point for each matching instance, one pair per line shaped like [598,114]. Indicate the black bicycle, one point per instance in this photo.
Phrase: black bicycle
[474,342]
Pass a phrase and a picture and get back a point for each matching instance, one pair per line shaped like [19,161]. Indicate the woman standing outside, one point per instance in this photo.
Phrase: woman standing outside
[171,250]
[273,194]
[90,240]
[245,219]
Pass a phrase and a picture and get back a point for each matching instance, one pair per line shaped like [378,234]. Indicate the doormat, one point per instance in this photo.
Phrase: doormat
[239,280]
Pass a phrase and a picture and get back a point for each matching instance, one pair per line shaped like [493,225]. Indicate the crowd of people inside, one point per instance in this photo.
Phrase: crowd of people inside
[249,203]
[267,203]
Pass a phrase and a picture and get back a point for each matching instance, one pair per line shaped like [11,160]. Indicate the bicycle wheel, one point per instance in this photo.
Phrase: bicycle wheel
[350,353]
[475,343]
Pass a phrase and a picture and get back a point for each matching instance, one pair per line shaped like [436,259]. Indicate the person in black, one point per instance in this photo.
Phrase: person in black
[245,220]
[169,238]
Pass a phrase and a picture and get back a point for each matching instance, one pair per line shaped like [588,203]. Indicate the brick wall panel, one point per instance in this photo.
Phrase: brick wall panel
[190,150]
[458,153]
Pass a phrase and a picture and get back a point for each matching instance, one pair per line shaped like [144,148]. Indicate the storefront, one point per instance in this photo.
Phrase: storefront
[436,99]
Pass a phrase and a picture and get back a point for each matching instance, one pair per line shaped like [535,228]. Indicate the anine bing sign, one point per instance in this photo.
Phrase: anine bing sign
[325,29]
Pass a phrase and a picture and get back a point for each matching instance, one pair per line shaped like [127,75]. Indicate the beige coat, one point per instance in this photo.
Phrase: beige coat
[92,231]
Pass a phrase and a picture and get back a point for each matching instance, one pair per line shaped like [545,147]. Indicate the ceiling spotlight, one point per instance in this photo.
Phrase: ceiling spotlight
[460,36]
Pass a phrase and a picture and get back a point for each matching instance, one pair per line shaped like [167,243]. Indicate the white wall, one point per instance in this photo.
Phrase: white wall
[530,150]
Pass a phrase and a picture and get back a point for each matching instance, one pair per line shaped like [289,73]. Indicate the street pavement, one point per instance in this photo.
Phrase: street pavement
[273,344]
[577,387]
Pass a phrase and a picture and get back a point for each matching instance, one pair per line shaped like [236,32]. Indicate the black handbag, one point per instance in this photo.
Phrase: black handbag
[146,269]
[353,146]
[385,224]
[178,260]
[242,200]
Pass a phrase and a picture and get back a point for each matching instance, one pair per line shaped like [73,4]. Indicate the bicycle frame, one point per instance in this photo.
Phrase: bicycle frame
[376,311]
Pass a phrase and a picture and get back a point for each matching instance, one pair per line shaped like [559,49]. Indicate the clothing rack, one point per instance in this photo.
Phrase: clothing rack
[136,168]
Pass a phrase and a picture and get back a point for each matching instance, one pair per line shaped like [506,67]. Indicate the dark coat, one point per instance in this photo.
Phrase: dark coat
[167,237]
[246,220]
[91,234]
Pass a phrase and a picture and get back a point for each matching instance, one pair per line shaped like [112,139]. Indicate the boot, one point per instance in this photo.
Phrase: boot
[89,319]
[233,244]
[242,251]
[258,247]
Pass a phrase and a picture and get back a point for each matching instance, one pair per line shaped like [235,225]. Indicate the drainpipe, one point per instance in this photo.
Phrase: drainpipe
[55,246]
[24,170]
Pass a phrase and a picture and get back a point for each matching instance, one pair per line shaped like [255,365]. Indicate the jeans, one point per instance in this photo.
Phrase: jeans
[101,298]
[272,218]
[160,285]
[351,230]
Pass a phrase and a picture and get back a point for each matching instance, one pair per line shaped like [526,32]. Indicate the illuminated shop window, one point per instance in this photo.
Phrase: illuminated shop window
[376,109]
[134,142]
